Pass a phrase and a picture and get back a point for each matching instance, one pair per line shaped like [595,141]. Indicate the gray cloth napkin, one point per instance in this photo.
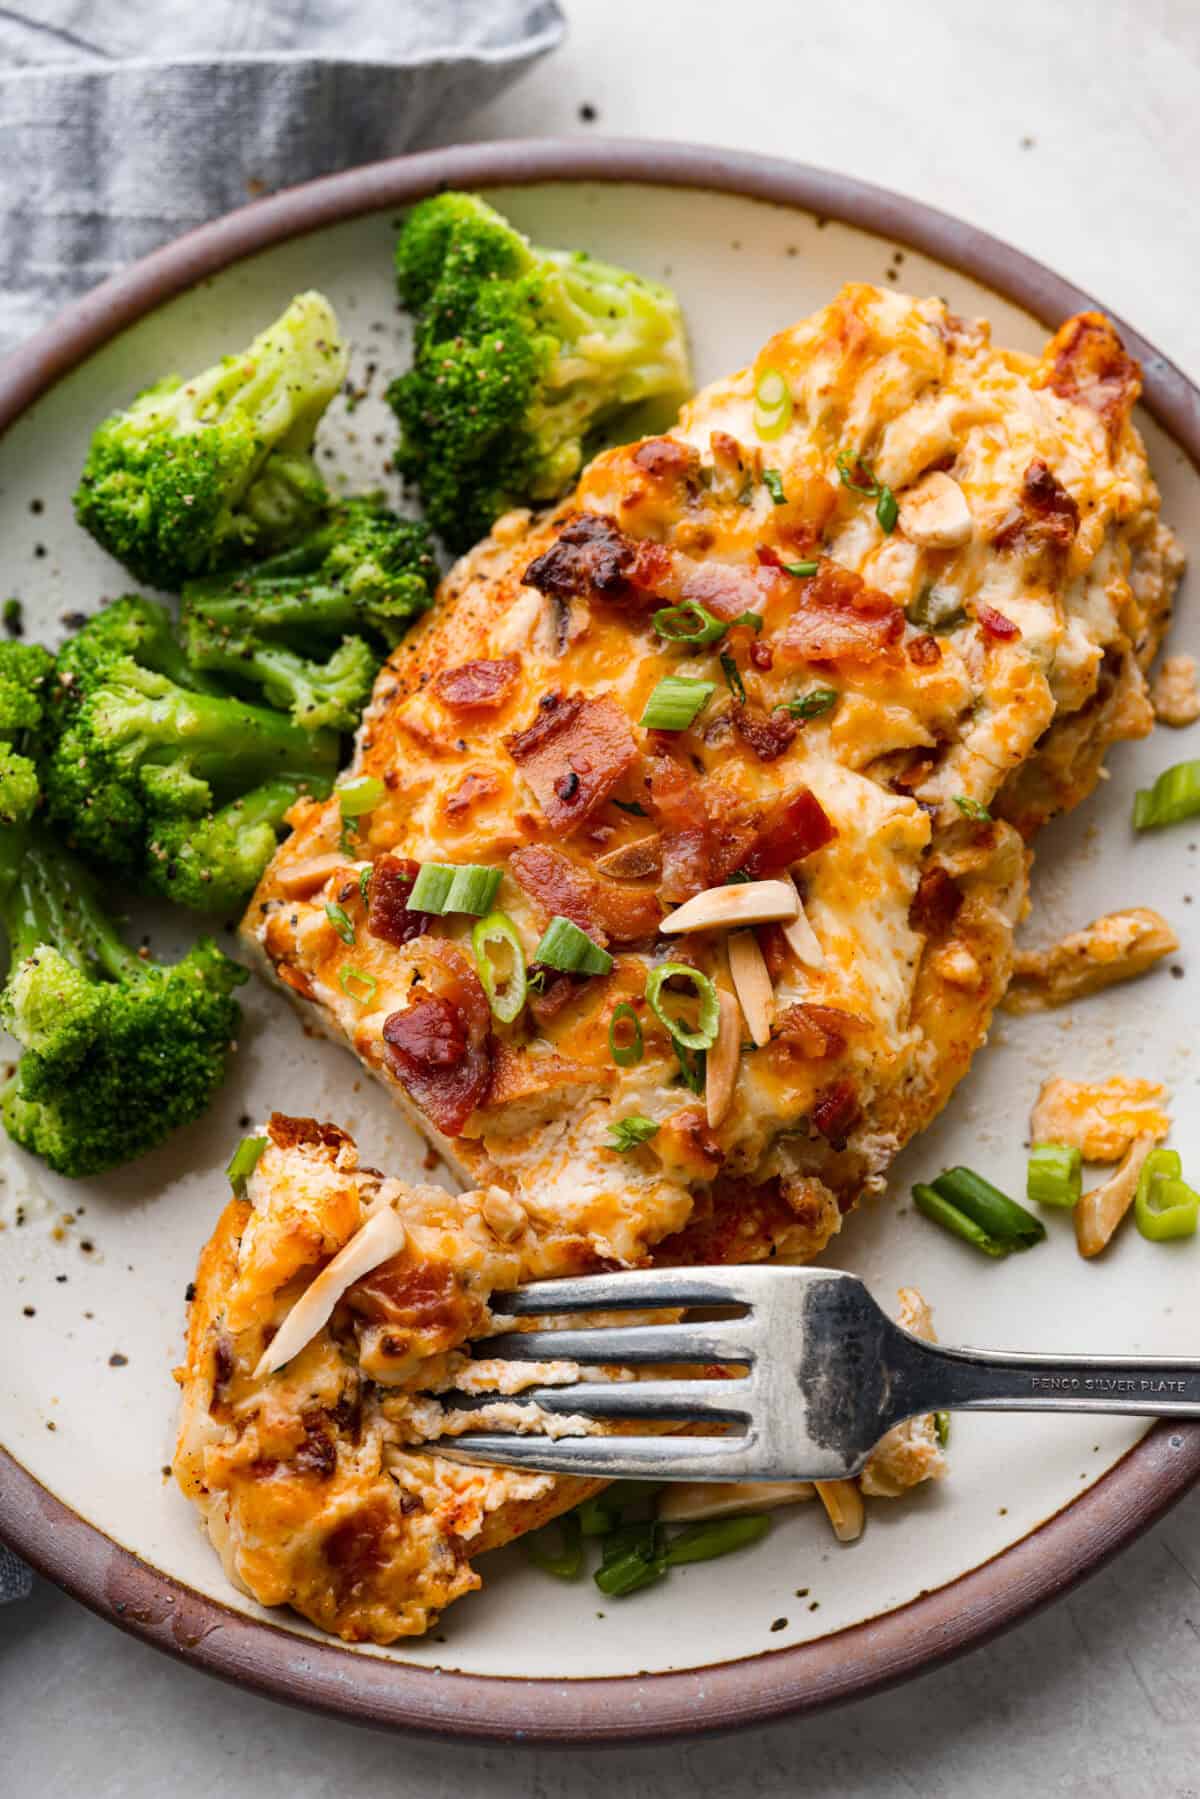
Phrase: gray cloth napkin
[125,122]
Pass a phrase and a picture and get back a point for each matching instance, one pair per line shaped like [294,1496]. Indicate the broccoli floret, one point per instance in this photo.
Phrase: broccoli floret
[25,688]
[194,473]
[364,574]
[119,1050]
[212,863]
[134,752]
[523,359]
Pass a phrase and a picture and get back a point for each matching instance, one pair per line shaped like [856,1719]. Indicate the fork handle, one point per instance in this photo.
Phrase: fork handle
[979,1380]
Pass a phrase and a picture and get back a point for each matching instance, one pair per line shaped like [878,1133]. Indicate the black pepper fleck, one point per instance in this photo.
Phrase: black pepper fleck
[29,1311]
[117,1360]
[779,1624]
[588,113]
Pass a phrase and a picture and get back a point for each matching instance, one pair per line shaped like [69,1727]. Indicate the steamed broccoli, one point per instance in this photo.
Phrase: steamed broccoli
[140,764]
[522,358]
[119,1050]
[194,473]
[365,570]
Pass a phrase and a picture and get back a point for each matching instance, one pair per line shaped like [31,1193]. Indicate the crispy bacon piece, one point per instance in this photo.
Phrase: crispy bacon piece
[439,1047]
[665,459]
[388,917]
[924,651]
[936,902]
[1086,361]
[478,785]
[604,909]
[839,618]
[688,846]
[796,827]
[994,624]
[593,558]
[835,1112]
[1046,517]
[573,755]
[412,1295]
[817,1032]
[481,686]
[559,991]
[768,733]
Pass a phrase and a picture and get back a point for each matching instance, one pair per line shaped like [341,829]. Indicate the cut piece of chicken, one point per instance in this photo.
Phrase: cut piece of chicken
[1118,947]
[1101,1119]
[1174,693]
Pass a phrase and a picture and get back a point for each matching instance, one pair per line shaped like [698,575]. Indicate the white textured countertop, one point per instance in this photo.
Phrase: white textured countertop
[1073,130]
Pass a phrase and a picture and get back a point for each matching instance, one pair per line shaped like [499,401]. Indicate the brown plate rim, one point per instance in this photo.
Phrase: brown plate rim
[848,1664]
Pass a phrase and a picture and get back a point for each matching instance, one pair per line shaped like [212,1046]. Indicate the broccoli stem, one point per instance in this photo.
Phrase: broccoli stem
[54,901]
[270,604]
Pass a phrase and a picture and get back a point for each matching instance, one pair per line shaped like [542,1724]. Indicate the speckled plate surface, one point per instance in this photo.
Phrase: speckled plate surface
[93,1275]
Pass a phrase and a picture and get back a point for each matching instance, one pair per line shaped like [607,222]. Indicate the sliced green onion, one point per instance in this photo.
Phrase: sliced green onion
[993,1211]
[629,1132]
[361,796]
[772,480]
[571,950]
[429,890]
[346,840]
[936,609]
[1174,796]
[557,1548]
[941,1425]
[341,921]
[887,510]
[1165,1206]
[802,570]
[1054,1176]
[812,703]
[631,1558]
[675,702]
[704,1033]
[733,678]
[957,1223]
[718,1536]
[773,406]
[689,622]
[693,1068]
[632,807]
[440,887]
[243,1162]
[849,465]
[972,809]
[629,1053]
[357,986]
[605,1512]
[505,987]
[364,884]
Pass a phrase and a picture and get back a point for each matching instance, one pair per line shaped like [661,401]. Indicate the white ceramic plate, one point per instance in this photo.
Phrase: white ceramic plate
[93,1274]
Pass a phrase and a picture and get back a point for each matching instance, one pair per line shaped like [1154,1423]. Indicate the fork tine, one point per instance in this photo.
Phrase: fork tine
[715,1400]
[656,1458]
[729,1340]
[637,1288]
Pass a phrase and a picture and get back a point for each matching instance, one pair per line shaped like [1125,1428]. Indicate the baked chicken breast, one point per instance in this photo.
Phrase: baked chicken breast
[911,583]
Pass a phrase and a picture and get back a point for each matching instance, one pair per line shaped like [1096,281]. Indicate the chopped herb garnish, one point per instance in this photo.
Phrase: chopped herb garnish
[629,1132]
[802,570]
[733,677]
[689,623]
[859,478]
[243,1162]
[772,480]
[364,884]
[810,704]
[772,405]
[1174,796]
[625,1047]
[676,702]
[341,921]
[571,951]
[972,809]
[357,986]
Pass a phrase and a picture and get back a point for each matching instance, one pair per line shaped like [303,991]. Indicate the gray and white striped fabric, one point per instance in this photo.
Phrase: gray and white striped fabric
[125,122]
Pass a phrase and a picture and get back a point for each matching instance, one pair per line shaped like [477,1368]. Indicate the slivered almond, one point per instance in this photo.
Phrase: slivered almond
[503,1214]
[633,861]
[380,1238]
[1100,1211]
[843,1501]
[303,878]
[935,513]
[691,1501]
[802,940]
[723,1060]
[744,903]
[752,984]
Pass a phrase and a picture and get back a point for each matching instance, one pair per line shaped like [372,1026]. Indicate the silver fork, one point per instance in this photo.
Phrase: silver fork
[822,1374]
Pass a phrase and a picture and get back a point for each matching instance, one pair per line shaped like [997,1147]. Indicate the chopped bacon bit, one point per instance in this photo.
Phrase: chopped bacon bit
[295,978]
[476,786]
[690,1128]
[722,588]
[688,849]
[439,1047]
[838,617]
[587,738]
[592,556]
[798,825]
[761,655]
[559,991]
[666,459]
[1047,515]
[603,909]
[414,1296]
[1086,361]
[481,686]
[994,624]
[835,1113]
[768,733]
[924,651]
[768,557]
[388,917]
[774,947]
[818,1032]
[936,902]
